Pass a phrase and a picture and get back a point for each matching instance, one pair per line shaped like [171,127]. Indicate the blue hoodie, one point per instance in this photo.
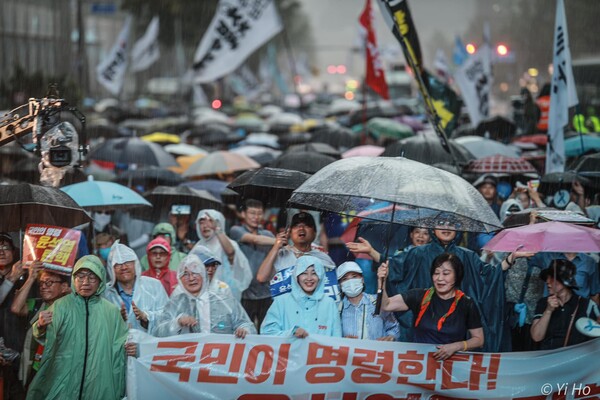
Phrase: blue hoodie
[316,313]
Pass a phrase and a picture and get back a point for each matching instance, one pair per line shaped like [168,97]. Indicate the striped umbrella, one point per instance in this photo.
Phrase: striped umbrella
[500,164]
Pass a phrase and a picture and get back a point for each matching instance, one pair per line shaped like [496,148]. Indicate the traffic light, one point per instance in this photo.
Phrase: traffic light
[471,49]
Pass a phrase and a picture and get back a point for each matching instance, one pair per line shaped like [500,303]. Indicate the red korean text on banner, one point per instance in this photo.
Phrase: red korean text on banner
[56,247]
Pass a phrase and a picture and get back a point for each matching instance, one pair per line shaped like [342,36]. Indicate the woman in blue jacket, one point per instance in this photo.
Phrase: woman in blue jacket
[306,309]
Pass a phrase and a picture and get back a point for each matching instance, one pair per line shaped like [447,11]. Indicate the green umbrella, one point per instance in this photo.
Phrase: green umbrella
[388,128]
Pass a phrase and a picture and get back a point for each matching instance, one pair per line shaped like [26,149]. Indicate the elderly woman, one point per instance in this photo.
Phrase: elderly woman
[195,309]
[235,270]
[358,308]
[443,314]
[306,309]
[140,298]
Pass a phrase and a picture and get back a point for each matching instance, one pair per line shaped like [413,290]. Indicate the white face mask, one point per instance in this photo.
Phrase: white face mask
[101,220]
[352,287]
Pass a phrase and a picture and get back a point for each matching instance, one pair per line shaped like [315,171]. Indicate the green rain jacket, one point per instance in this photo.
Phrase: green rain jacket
[84,354]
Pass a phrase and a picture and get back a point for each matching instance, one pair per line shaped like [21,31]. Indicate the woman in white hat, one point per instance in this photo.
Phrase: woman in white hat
[358,308]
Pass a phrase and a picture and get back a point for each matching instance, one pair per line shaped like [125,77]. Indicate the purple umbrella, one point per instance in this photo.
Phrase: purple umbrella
[551,236]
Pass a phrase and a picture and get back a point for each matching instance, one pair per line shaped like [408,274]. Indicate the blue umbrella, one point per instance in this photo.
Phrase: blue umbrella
[576,145]
[99,195]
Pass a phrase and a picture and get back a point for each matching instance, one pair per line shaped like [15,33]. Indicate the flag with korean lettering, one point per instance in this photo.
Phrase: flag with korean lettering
[563,94]
[146,50]
[56,247]
[111,71]
[374,76]
[238,28]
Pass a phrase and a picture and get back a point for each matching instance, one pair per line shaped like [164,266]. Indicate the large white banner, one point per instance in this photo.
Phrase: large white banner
[146,50]
[563,94]
[208,366]
[474,78]
[111,71]
[238,28]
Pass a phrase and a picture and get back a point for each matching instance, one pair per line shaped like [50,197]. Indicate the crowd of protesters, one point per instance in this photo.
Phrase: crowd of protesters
[67,336]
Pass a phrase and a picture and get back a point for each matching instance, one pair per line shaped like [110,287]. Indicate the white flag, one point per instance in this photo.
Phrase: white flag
[111,71]
[238,28]
[146,50]
[474,78]
[562,94]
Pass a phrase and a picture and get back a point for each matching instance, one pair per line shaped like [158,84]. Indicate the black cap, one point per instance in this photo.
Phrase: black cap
[5,237]
[303,218]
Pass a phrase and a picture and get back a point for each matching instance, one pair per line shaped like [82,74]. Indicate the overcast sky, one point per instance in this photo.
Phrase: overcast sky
[335,26]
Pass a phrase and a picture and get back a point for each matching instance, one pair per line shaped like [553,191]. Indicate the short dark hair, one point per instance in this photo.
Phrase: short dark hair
[455,262]
[63,278]
[252,203]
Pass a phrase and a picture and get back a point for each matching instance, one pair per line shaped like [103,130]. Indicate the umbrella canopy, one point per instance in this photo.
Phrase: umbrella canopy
[132,151]
[25,203]
[547,237]
[261,139]
[101,128]
[321,148]
[162,138]
[98,195]
[184,149]
[250,123]
[501,165]
[302,161]
[150,175]
[342,106]
[418,194]
[184,162]
[289,139]
[539,139]
[555,181]
[220,162]
[367,150]
[496,127]
[428,150]
[545,214]
[481,147]
[164,197]
[217,188]
[388,128]
[578,145]
[272,186]
[336,136]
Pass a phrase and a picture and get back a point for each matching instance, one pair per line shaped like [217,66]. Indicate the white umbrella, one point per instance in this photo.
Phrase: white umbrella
[184,149]
[482,147]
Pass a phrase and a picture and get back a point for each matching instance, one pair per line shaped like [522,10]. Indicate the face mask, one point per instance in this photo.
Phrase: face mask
[101,220]
[352,287]
[103,253]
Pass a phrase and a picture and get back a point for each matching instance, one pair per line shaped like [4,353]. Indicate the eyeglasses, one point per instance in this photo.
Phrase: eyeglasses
[126,264]
[48,283]
[90,277]
[159,253]
[6,248]
[190,275]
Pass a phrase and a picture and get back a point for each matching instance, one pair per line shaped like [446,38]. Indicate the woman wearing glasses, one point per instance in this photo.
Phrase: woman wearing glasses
[193,308]
[84,337]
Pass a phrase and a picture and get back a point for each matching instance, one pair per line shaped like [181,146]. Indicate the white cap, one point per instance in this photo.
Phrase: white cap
[348,266]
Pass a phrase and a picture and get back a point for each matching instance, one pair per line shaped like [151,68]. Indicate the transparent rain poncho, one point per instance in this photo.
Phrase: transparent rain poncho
[148,293]
[215,313]
[238,274]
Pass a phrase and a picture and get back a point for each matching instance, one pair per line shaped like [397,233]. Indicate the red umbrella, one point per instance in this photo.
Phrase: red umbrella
[539,139]
[500,164]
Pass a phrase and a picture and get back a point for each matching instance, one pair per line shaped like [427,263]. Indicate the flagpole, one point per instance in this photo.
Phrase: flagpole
[288,48]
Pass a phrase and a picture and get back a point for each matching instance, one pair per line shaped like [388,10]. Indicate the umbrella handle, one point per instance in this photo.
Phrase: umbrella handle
[379,297]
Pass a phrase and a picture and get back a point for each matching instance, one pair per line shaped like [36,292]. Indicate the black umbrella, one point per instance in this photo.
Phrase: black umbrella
[428,150]
[553,182]
[302,161]
[25,203]
[149,175]
[498,128]
[336,136]
[133,151]
[272,186]
[289,139]
[102,129]
[321,148]
[28,171]
[163,198]
[588,163]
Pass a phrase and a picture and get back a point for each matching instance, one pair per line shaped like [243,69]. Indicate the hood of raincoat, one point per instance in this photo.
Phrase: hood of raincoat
[119,254]
[192,263]
[302,265]
[159,242]
[164,228]
[94,264]
[215,216]
[507,205]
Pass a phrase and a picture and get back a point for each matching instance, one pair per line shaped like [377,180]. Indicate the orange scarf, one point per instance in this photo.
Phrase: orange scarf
[427,300]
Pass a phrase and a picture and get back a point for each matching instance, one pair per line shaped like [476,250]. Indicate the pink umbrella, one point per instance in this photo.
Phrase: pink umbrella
[366,150]
[547,237]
